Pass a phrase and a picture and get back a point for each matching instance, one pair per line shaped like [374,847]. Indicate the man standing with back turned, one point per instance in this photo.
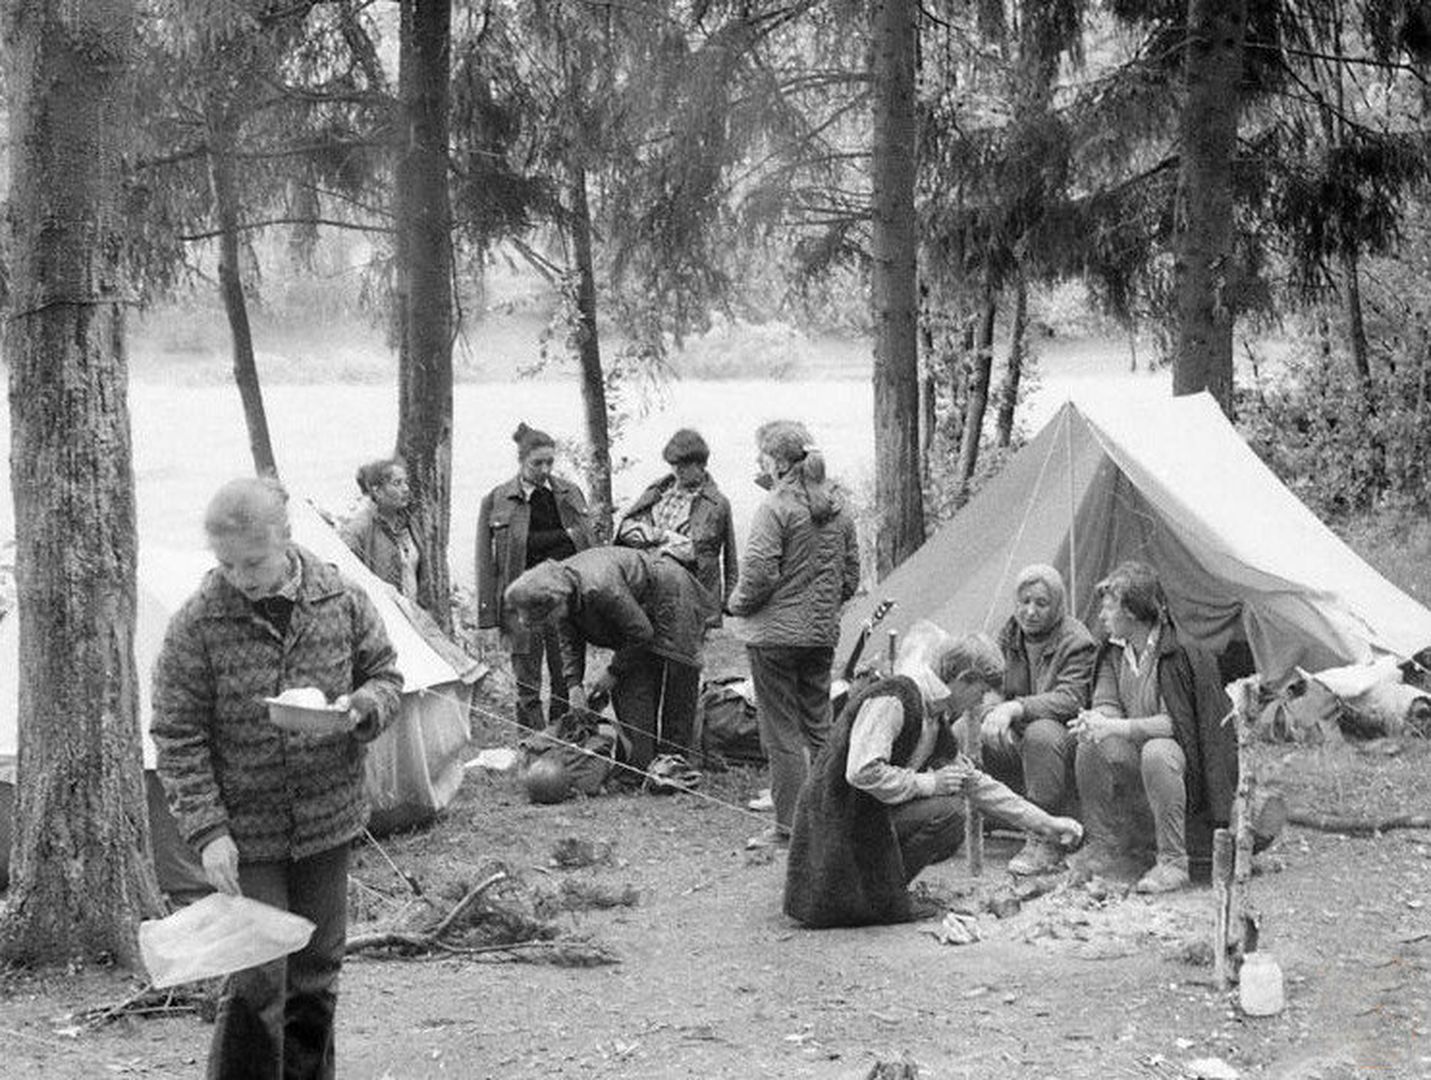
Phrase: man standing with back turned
[272,812]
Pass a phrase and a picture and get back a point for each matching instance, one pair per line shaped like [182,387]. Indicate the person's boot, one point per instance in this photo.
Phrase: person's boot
[773,837]
[1039,856]
[1167,875]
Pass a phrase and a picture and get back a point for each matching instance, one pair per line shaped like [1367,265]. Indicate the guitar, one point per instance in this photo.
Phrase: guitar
[840,688]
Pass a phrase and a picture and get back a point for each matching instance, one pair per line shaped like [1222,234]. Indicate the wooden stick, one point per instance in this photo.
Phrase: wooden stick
[1242,823]
[1222,901]
[1352,826]
[425,939]
[973,819]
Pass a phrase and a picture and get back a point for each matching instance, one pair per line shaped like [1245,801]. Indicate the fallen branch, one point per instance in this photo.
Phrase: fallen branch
[425,939]
[1354,826]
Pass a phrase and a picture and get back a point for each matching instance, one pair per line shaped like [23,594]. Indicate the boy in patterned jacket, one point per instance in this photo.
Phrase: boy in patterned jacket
[272,812]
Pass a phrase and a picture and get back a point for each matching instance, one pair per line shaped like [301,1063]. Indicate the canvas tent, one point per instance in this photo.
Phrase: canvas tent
[1172,484]
[413,770]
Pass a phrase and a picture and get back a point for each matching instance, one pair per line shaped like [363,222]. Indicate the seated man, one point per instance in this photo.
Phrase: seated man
[885,797]
[1154,736]
[1048,665]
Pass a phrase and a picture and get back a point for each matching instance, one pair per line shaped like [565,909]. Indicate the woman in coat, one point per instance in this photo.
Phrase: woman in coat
[533,517]
[382,532]
[801,564]
[1155,732]
[647,609]
[685,515]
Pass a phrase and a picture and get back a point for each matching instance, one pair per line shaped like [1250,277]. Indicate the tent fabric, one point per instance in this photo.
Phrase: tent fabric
[1171,484]
[413,770]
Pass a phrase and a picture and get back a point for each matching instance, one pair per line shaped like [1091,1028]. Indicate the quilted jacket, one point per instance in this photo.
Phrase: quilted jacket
[225,767]
[796,573]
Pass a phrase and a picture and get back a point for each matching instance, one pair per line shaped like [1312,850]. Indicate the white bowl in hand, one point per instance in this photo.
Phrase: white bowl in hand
[306,710]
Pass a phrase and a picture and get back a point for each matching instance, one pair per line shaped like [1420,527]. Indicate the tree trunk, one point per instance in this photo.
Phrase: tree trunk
[81,873]
[424,248]
[222,184]
[1202,267]
[1018,343]
[588,347]
[894,287]
[978,394]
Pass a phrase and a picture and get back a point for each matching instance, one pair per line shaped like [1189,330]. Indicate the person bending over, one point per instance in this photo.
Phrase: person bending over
[647,608]
[885,798]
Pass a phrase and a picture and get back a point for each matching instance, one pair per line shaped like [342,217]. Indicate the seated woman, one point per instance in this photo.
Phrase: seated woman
[1154,738]
[1048,665]
[885,798]
[645,607]
[686,516]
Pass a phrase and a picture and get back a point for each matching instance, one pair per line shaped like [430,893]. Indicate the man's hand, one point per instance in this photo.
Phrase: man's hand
[576,698]
[997,727]
[950,779]
[1094,727]
[220,859]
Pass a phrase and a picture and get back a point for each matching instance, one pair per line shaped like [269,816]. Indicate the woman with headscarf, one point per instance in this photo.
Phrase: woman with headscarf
[531,518]
[1048,667]
[686,516]
[802,562]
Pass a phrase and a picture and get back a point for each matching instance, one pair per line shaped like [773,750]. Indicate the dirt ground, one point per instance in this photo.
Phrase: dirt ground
[713,981]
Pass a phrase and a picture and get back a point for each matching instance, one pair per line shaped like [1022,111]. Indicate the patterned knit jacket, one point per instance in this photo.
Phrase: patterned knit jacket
[225,767]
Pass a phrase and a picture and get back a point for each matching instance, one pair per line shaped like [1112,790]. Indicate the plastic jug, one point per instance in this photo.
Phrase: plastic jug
[1260,987]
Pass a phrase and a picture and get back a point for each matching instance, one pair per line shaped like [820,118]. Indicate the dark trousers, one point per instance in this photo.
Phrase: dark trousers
[792,705]
[543,651]
[655,700]
[275,1021]
[929,830]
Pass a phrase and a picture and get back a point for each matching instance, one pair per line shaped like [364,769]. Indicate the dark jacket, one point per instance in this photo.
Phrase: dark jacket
[1063,681]
[712,531]
[502,524]
[845,867]
[626,600]
[797,572]
[1193,694]
[225,767]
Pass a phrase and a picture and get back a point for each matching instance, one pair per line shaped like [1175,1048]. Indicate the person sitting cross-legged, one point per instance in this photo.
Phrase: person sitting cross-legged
[885,797]
[1154,744]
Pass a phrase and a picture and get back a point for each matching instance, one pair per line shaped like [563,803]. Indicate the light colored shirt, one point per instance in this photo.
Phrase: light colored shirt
[867,765]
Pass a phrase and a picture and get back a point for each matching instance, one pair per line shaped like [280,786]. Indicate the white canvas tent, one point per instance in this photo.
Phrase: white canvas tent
[413,770]
[1172,484]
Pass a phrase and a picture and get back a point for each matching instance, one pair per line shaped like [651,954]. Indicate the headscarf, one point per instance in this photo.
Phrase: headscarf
[1051,579]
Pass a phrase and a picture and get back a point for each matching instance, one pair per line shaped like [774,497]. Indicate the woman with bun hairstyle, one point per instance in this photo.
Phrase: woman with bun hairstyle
[533,517]
[802,562]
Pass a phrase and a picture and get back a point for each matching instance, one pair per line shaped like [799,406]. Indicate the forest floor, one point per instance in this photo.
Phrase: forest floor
[710,979]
